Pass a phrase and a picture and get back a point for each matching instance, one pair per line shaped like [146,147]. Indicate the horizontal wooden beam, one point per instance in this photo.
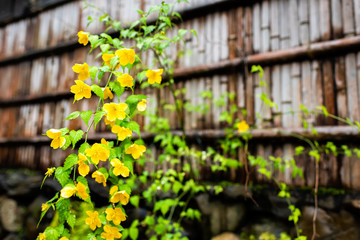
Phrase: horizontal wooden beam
[323,133]
[309,52]
[38,98]
[33,11]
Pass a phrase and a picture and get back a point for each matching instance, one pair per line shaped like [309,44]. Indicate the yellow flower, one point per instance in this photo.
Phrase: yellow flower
[103,141]
[141,106]
[126,56]
[64,238]
[136,151]
[119,168]
[110,233]
[120,196]
[108,93]
[81,90]
[83,38]
[107,122]
[57,140]
[97,153]
[113,189]
[42,236]
[83,169]
[93,220]
[115,111]
[82,70]
[99,177]
[44,207]
[81,191]
[154,76]
[121,132]
[68,191]
[116,215]
[50,171]
[107,58]
[125,80]
[242,126]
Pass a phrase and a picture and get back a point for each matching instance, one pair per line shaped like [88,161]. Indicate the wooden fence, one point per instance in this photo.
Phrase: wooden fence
[309,49]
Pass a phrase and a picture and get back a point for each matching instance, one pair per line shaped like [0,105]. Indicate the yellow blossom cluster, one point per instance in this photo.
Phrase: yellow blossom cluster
[70,190]
[117,115]
[58,141]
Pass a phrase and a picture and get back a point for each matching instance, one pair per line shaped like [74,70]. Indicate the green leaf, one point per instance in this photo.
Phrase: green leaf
[135,99]
[83,147]
[177,187]
[182,32]
[257,68]
[299,150]
[73,115]
[148,29]
[93,71]
[133,233]
[86,115]
[63,207]
[98,116]
[76,136]
[71,220]
[141,76]
[67,142]
[70,161]
[193,31]
[51,233]
[104,47]
[62,175]
[134,126]
[100,75]
[326,113]
[134,200]
[98,91]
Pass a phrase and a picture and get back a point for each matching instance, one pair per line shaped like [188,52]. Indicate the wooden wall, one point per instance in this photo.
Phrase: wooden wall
[309,49]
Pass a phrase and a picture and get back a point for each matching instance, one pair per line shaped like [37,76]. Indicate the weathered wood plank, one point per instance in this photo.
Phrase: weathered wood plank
[296,93]
[306,90]
[329,91]
[256,27]
[317,87]
[250,114]
[325,22]
[265,26]
[357,16]
[248,31]
[284,25]
[209,38]
[304,22]
[294,23]
[275,25]
[352,88]
[216,95]
[276,94]
[287,118]
[340,82]
[240,39]
[224,35]
[336,19]
[314,21]
[266,88]
[348,17]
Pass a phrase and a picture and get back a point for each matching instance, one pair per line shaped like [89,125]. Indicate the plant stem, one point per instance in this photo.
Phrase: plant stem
[98,106]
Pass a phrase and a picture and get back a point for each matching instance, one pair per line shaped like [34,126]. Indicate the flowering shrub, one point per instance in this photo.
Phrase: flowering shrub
[125,72]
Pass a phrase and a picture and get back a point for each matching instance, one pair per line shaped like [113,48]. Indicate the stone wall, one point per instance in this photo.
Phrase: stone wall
[230,212]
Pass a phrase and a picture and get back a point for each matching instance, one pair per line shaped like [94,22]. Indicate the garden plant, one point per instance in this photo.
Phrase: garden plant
[112,163]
